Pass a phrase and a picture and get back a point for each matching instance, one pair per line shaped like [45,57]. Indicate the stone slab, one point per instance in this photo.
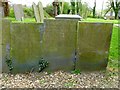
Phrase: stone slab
[66,16]
[26,48]
[41,12]
[18,11]
[93,45]
[58,47]
[5,44]
[36,13]
[0,43]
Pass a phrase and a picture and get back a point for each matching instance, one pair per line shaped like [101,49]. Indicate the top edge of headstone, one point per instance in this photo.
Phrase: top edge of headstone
[66,16]
[95,22]
[61,20]
[26,23]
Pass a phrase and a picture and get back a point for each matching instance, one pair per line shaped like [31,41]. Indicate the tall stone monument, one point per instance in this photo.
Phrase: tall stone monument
[55,4]
[5,5]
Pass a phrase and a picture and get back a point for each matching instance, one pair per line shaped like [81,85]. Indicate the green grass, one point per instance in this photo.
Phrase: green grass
[30,20]
[26,20]
[114,44]
[101,20]
[113,55]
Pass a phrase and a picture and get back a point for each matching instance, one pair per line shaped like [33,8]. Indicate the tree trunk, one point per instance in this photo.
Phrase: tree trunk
[116,14]
[94,9]
[77,7]
[73,6]
[94,12]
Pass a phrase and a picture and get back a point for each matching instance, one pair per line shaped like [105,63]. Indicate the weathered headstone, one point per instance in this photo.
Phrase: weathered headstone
[0,41]
[26,46]
[5,44]
[58,46]
[18,10]
[36,13]
[41,12]
[93,43]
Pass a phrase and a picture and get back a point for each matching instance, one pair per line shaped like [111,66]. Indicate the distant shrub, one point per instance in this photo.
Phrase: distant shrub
[11,14]
[28,12]
[50,10]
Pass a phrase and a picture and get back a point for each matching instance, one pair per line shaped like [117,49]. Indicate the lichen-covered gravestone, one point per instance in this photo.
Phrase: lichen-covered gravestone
[26,47]
[93,43]
[5,44]
[58,46]
[0,41]
[18,10]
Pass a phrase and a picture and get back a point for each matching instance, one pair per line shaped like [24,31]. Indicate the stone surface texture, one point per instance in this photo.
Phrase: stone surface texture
[5,44]
[18,10]
[58,46]
[36,12]
[93,42]
[26,47]
[41,12]
[56,41]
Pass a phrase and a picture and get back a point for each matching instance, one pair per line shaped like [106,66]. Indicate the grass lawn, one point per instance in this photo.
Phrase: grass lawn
[101,20]
[113,56]
[31,20]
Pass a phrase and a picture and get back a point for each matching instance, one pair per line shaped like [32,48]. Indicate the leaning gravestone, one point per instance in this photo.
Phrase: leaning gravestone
[41,12]
[18,10]
[93,43]
[36,12]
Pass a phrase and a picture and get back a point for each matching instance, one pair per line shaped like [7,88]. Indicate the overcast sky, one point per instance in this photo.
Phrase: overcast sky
[45,2]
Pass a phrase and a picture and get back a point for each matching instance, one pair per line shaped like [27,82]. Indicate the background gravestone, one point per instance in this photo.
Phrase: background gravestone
[58,47]
[26,47]
[1,12]
[18,10]
[36,13]
[41,12]
[93,45]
